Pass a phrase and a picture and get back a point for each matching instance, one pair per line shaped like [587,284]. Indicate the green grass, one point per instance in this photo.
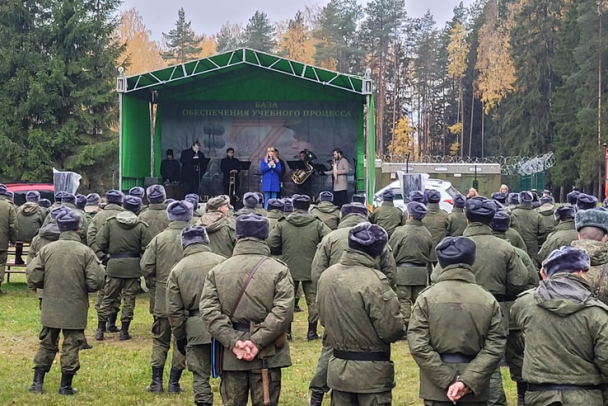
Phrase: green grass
[115,373]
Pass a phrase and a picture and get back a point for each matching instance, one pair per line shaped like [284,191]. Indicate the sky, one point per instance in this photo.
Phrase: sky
[208,16]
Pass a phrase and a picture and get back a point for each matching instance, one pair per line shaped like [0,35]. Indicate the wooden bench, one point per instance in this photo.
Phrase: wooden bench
[11,266]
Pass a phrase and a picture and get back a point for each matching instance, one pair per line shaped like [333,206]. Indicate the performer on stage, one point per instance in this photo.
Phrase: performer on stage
[282,174]
[339,174]
[306,187]
[230,166]
[169,169]
[270,167]
[194,167]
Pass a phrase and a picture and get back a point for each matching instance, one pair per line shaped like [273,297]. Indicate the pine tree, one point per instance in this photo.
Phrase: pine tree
[297,43]
[259,33]
[182,43]
[229,37]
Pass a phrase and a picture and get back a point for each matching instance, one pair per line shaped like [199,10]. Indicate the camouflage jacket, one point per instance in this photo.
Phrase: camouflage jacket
[328,213]
[598,273]
[8,226]
[110,210]
[548,315]
[84,225]
[388,217]
[565,233]
[515,239]
[412,245]
[548,214]
[480,334]
[156,218]
[184,290]
[30,218]
[273,217]
[47,235]
[360,313]
[68,271]
[530,225]
[221,231]
[457,222]
[246,210]
[162,254]
[267,305]
[436,221]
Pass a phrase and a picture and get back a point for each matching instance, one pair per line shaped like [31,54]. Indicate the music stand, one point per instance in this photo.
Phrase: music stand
[321,168]
[244,165]
[295,165]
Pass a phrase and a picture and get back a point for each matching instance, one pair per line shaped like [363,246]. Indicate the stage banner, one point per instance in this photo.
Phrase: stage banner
[251,127]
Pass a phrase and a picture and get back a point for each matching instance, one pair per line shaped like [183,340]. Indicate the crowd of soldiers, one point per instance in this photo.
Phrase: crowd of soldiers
[510,277]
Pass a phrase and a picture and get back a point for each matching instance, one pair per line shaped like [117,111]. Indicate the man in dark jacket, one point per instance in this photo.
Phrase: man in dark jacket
[8,230]
[123,239]
[387,216]
[457,221]
[563,234]
[230,166]
[68,271]
[194,167]
[436,220]
[362,317]
[169,168]
[456,363]
[327,211]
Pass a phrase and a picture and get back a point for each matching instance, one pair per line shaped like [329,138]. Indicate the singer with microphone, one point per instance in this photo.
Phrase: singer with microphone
[194,167]
[270,167]
[339,173]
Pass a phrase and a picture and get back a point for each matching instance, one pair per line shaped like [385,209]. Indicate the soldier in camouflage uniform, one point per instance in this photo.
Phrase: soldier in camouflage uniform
[500,198]
[327,211]
[457,221]
[529,224]
[572,197]
[92,206]
[253,330]
[512,201]
[219,226]
[68,271]
[436,220]
[287,206]
[329,253]
[194,200]
[566,330]
[547,210]
[250,202]
[456,363]
[69,200]
[275,212]
[387,216]
[259,209]
[47,235]
[362,317]
[140,193]
[563,234]
[184,289]
[412,245]
[30,218]
[123,239]
[8,230]
[295,238]
[161,255]
[586,202]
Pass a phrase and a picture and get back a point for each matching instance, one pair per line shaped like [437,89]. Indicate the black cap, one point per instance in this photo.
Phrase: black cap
[456,250]
[480,210]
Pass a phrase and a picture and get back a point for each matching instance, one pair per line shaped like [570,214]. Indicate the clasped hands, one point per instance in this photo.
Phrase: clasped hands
[457,390]
[245,350]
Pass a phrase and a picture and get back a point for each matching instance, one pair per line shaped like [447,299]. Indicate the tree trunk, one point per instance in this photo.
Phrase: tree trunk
[471,130]
[483,129]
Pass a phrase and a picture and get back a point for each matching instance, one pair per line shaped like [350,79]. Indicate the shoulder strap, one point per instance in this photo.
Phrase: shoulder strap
[599,282]
[244,288]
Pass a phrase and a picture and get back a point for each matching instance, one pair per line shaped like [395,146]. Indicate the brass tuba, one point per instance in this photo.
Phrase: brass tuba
[301,175]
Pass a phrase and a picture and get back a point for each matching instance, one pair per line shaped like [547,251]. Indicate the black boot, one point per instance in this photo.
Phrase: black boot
[316,398]
[101,328]
[66,385]
[124,331]
[289,332]
[157,380]
[111,327]
[85,345]
[38,380]
[312,332]
[522,387]
[296,306]
[174,377]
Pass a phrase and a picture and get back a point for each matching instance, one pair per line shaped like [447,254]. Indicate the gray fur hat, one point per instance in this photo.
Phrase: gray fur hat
[301,202]
[180,211]
[388,196]
[81,201]
[193,199]
[499,197]
[358,199]
[93,199]
[368,238]
[252,226]
[501,222]
[525,197]
[68,220]
[354,208]
[3,189]
[275,204]
[132,203]
[416,210]
[513,198]
[55,212]
[566,259]
[586,202]
[156,194]
[459,201]
[69,199]
[32,196]
[417,196]
[565,212]
[260,196]
[433,196]
[592,218]
[194,235]
[326,196]
[137,191]
[456,250]
[250,200]
[480,210]
[573,197]
[287,205]
[216,202]
[46,203]
[114,196]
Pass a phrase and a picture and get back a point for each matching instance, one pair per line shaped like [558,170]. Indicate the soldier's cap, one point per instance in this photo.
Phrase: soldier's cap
[388,195]
[276,204]
[93,199]
[55,212]
[592,218]
[68,220]
[499,197]
[114,196]
[260,197]
[250,200]
[194,235]
[326,196]
[546,200]
[193,199]
[501,222]
[216,202]
[81,201]
[180,211]
[565,212]
[137,191]
[586,202]
[368,238]
[3,189]
[169,201]
[10,195]
[480,210]
[287,205]
[416,210]
[59,196]
[32,196]
[433,196]
[573,197]
[354,208]
[300,202]
[252,226]
[456,250]
[46,203]
[499,207]
[526,197]
[156,194]
[566,259]
[132,204]
[358,199]
[69,199]
[459,201]
[417,196]
[513,198]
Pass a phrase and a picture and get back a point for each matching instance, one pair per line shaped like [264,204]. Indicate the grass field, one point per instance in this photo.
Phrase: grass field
[115,373]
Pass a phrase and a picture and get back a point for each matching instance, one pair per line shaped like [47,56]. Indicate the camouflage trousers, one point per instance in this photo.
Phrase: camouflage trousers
[361,399]
[101,294]
[161,342]
[439,403]
[497,392]
[407,297]
[311,299]
[564,398]
[515,354]
[199,363]
[236,386]
[319,381]
[3,259]
[114,288]
[49,347]
[152,294]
